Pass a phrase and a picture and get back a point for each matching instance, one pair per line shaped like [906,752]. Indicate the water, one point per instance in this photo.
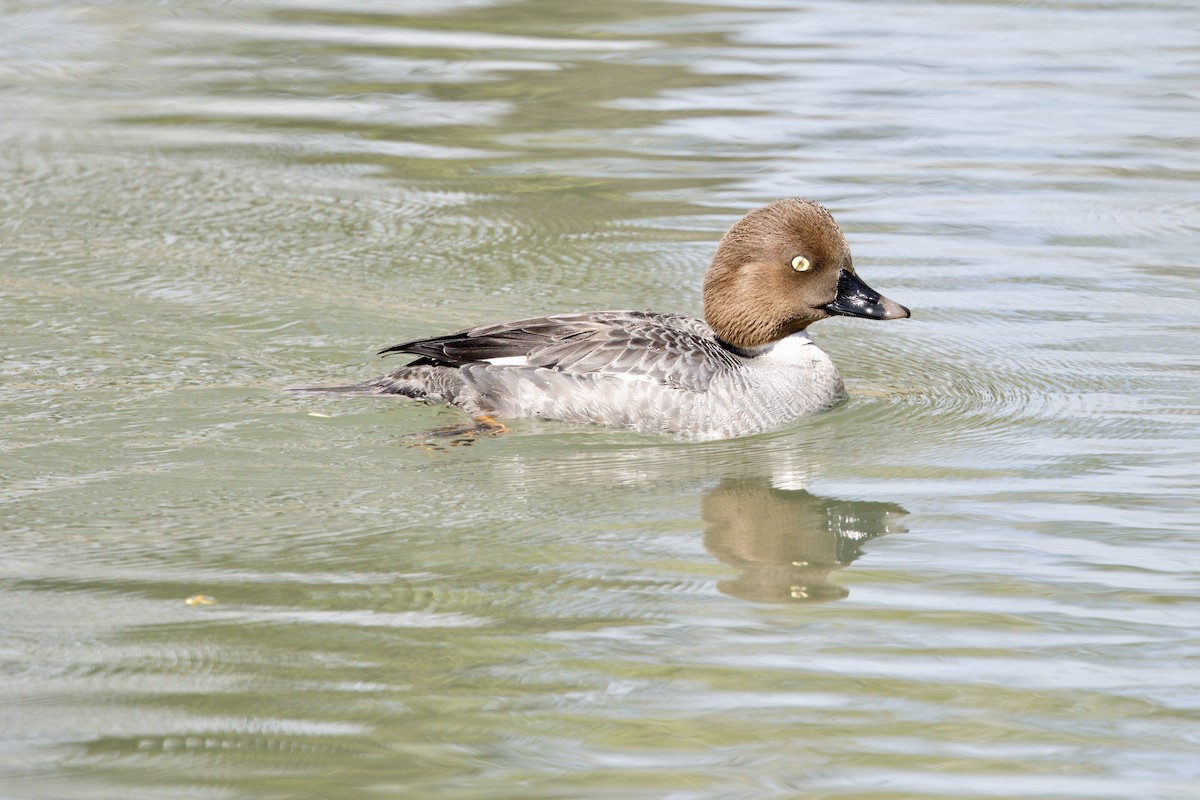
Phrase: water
[978,578]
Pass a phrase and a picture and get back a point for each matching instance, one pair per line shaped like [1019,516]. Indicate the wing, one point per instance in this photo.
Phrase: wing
[672,349]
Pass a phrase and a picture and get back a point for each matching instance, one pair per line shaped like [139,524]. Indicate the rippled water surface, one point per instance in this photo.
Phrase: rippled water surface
[977,578]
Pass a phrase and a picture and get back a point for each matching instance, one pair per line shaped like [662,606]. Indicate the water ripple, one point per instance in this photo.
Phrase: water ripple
[974,578]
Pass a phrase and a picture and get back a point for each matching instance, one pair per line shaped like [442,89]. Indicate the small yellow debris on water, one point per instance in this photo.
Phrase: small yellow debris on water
[200,600]
[319,414]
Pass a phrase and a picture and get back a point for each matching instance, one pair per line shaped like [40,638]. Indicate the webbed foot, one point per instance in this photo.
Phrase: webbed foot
[456,435]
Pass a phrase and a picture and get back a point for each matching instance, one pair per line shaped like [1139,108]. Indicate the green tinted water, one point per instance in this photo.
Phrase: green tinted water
[979,577]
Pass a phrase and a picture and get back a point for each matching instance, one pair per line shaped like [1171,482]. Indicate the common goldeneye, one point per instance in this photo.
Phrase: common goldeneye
[747,367]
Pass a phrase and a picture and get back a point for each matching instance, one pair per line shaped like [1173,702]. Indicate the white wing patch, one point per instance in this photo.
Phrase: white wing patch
[508,361]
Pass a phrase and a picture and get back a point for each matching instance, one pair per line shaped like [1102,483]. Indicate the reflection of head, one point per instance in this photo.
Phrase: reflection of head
[786,543]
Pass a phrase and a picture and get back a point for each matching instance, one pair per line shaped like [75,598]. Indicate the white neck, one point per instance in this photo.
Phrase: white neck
[788,350]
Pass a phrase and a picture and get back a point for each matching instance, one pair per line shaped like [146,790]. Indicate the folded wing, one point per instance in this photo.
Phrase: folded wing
[675,350]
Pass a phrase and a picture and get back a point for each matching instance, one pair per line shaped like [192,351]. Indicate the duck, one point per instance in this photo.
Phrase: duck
[749,366]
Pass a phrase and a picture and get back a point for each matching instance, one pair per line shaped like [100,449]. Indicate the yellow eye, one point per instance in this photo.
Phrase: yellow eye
[801,264]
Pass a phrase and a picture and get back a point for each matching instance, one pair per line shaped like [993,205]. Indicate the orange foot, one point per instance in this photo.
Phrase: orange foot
[458,435]
[489,425]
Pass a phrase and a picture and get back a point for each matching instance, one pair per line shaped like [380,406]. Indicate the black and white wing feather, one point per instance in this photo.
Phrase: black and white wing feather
[672,349]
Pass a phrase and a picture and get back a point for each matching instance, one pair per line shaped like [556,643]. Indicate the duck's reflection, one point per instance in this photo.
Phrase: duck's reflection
[786,543]
[756,512]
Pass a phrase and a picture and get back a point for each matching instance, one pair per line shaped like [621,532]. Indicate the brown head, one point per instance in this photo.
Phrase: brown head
[781,268]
